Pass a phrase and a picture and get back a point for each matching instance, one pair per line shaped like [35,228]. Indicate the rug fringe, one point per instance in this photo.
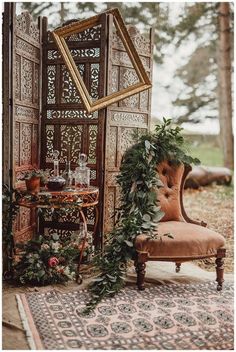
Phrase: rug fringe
[25,324]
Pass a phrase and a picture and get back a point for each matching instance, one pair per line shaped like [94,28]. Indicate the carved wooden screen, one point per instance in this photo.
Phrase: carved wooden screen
[21,59]
[65,122]
[125,117]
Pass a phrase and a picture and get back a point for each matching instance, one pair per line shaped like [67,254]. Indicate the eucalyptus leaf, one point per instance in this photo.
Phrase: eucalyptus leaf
[146,217]
[55,236]
[129,243]
[159,215]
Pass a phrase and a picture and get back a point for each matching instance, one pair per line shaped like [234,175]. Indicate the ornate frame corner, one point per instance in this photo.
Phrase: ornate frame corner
[77,27]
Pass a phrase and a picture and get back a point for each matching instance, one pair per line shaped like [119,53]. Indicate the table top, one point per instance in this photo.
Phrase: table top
[72,191]
[79,197]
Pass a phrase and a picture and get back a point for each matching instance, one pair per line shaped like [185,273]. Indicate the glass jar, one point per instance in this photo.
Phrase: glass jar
[56,182]
[82,173]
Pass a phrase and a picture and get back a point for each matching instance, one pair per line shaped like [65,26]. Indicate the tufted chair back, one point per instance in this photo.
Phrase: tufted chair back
[170,195]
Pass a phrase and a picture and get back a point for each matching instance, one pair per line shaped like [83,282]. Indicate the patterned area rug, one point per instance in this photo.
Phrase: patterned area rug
[177,317]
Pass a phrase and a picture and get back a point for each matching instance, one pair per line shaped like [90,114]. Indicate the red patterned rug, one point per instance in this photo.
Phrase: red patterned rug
[166,317]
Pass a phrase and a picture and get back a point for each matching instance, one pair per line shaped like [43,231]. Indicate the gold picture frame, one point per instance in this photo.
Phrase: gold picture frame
[144,83]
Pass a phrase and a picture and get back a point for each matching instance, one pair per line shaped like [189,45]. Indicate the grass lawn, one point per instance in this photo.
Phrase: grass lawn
[207,153]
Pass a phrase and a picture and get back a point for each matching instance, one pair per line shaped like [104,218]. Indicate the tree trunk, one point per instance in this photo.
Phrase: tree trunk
[224,83]
[62,12]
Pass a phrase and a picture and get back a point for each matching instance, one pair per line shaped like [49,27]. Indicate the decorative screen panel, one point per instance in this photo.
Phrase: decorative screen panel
[65,124]
[21,90]
[125,117]
[26,111]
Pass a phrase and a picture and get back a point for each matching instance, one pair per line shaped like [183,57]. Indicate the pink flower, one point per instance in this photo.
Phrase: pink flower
[53,261]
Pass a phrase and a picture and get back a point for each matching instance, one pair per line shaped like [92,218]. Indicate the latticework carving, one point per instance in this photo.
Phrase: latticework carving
[26,114]
[50,142]
[27,80]
[26,26]
[17,144]
[17,77]
[112,147]
[51,79]
[27,49]
[26,144]
[71,138]
[94,81]
[127,138]
[115,79]
[69,92]
[90,34]
[141,43]
[128,116]
[71,114]
[36,84]
[92,154]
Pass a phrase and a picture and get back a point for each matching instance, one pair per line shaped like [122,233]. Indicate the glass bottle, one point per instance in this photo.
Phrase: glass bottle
[68,176]
[82,173]
[56,182]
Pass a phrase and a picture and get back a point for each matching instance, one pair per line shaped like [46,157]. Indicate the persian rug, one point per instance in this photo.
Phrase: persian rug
[165,317]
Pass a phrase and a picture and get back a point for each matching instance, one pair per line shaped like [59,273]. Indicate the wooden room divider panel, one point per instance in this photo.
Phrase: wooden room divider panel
[127,116]
[21,104]
[66,126]
[103,135]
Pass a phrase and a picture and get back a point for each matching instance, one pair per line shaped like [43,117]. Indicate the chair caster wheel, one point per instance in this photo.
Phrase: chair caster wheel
[79,279]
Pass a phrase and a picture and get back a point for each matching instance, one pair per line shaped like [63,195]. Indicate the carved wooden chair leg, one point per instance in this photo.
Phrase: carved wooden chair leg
[177,267]
[220,267]
[140,265]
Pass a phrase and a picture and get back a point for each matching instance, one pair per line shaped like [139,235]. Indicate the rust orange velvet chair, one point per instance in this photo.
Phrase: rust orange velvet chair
[191,239]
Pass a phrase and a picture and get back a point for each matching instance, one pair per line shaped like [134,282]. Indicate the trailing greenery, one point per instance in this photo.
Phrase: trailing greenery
[10,209]
[140,210]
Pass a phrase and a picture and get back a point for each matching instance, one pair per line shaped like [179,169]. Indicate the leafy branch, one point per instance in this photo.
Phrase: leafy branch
[140,211]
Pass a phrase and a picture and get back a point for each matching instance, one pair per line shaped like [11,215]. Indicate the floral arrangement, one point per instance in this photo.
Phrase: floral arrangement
[46,261]
[140,210]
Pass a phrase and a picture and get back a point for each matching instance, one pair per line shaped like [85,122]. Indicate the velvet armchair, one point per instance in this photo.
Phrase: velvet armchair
[191,239]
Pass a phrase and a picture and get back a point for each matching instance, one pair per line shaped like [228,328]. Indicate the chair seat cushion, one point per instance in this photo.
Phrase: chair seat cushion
[189,240]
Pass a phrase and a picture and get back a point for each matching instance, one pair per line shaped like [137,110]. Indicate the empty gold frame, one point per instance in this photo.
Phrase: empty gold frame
[61,33]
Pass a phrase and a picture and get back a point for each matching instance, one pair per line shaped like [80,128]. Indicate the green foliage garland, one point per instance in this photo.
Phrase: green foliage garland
[10,210]
[140,210]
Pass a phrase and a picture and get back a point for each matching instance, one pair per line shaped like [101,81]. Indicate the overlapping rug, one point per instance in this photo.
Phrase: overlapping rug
[175,316]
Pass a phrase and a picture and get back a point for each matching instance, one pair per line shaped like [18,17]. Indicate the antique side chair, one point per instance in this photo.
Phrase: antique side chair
[191,239]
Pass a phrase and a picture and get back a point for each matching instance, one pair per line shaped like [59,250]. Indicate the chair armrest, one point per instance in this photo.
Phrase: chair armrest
[187,169]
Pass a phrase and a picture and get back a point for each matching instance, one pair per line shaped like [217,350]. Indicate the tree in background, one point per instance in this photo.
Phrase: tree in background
[207,73]
[225,85]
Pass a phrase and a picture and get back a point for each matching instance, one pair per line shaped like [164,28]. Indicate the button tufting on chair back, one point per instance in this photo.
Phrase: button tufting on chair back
[169,195]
